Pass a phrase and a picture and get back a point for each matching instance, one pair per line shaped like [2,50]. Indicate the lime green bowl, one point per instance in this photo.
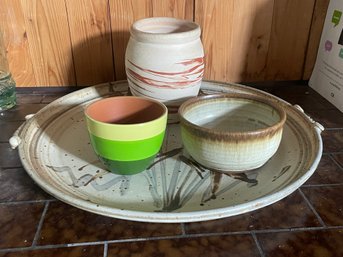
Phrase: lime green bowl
[126,132]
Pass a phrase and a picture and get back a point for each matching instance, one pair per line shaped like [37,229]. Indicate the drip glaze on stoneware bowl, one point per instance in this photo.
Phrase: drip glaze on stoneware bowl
[231,132]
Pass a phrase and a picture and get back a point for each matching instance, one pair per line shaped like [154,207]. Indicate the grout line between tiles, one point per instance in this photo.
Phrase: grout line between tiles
[28,202]
[323,185]
[10,167]
[339,152]
[333,129]
[258,244]
[336,162]
[183,229]
[334,227]
[264,231]
[23,102]
[105,249]
[294,230]
[20,249]
[42,101]
[129,240]
[40,224]
[312,208]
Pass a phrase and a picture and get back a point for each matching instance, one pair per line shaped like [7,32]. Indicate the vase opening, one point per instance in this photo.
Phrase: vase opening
[165,26]
[165,30]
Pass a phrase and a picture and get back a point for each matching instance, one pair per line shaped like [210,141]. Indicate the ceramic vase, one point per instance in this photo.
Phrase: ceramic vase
[165,59]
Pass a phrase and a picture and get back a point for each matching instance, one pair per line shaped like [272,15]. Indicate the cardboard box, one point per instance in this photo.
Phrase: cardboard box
[327,75]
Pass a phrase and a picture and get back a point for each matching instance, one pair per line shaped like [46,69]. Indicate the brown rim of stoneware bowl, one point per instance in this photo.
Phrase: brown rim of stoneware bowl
[220,135]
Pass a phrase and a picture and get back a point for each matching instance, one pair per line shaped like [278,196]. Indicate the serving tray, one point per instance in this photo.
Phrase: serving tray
[56,153]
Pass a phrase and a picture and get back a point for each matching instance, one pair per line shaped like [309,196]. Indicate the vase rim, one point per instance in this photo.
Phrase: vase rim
[165,30]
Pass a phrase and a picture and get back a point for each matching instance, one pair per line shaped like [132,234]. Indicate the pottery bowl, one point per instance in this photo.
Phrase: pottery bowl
[231,132]
[126,132]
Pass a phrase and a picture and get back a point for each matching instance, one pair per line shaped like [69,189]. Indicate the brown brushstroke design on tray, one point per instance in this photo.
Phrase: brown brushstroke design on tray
[176,193]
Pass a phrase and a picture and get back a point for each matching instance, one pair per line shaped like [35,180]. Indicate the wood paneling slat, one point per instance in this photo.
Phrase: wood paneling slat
[124,13]
[318,19]
[250,39]
[49,42]
[289,37]
[236,38]
[182,9]
[216,20]
[12,25]
[90,33]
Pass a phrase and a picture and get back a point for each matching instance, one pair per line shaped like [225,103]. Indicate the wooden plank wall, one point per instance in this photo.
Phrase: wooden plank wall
[82,42]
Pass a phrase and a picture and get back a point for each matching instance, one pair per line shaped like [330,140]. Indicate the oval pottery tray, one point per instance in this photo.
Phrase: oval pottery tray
[56,152]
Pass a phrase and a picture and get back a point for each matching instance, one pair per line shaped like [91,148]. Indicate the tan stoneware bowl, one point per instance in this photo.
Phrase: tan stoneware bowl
[231,132]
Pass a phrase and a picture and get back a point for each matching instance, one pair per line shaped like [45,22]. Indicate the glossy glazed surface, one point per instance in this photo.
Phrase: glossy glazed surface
[231,132]
[174,188]
[164,59]
[126,132]
[306,223]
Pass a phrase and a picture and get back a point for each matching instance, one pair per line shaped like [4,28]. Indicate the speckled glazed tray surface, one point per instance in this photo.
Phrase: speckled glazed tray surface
[56,153]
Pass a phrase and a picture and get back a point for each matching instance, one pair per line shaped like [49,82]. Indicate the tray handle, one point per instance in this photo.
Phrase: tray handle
[319,127]
[15,139]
